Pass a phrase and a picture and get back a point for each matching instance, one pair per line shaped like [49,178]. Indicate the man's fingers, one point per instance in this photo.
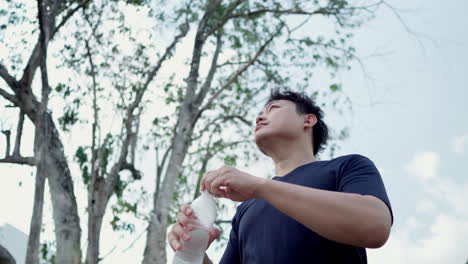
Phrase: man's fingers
[184,220]
[186,209]
[214,233]
[207,179]
[215,184]
[174,240]
[181,233]
[203,181]
[178,231]
[202,184]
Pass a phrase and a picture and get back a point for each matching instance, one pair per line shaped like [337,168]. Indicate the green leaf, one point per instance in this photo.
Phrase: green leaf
[230,160]
[335,87]
[81,156]
[69,118]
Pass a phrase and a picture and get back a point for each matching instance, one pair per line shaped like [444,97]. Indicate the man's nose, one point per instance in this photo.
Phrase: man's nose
[259,119]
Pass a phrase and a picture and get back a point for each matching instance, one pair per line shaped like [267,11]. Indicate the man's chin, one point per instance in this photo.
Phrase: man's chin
[261,142]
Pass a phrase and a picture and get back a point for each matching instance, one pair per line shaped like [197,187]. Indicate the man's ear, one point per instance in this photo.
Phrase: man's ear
[310,120]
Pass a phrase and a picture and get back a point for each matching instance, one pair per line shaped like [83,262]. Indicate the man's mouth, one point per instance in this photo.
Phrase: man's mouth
[259,126]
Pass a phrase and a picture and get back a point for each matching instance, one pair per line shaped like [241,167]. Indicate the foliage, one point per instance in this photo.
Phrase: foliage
[47,252]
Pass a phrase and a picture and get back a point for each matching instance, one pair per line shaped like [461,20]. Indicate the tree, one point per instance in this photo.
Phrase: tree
[48,154]
[240,50]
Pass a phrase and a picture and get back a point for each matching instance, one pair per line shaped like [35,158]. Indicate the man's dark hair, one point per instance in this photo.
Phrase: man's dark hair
[305,105]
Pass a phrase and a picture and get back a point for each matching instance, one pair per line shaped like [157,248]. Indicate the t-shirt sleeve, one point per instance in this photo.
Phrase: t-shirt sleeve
[231,254]
[360,176]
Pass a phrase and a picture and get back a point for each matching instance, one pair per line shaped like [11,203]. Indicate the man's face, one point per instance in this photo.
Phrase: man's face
[278,119]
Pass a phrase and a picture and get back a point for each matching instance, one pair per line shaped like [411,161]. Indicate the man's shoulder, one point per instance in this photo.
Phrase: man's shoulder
[242,207]
[349,161]
[350,158]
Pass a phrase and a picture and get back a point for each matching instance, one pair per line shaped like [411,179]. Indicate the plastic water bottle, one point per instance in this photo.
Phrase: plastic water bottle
[193,250]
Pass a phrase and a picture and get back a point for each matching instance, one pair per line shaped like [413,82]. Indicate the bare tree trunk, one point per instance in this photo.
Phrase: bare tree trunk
[54,164]
[65,210]
[32,253]
[96,211]
[155,249]
[51,161]
[41,136]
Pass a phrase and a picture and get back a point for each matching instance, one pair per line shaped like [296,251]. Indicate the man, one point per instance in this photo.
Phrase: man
[312,211]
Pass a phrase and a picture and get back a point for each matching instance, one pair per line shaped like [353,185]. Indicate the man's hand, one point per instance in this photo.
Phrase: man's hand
[231,183]
[180,230]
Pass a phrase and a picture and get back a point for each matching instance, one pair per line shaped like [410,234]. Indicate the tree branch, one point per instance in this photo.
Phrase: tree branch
[8,96]
[200,38]
[136,174]
[223,221]
[33,62]
[130,116]
[234,77]
[226,17]
[7,134]
[68,16]
[163,161]
[19,133]
[259,12]
[322,11]
[10,80]
[183,31]
[94,171]
[209,79]
[31,161]
[224,119]
[133,142]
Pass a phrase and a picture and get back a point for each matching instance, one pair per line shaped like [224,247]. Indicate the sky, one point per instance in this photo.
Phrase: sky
[408,117]
[411,121]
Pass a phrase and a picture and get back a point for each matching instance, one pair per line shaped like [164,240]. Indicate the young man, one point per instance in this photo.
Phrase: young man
[312,211]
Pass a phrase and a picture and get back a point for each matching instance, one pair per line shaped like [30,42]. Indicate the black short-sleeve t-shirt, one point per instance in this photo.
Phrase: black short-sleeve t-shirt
[261,234]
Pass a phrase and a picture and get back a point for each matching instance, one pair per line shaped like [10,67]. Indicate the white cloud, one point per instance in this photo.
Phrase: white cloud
[424,165]
[437,231]
[444,242]
[453,195]
[459,144]
[425,206]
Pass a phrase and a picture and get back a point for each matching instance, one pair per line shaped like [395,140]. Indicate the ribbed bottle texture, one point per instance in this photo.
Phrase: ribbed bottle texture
[193,250]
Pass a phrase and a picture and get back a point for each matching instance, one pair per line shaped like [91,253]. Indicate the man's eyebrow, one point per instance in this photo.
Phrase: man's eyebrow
[266,106]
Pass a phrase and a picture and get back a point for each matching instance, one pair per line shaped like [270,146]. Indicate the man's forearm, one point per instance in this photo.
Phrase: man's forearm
[343,217]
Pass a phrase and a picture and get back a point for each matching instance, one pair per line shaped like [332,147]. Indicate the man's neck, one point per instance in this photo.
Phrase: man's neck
[290,158]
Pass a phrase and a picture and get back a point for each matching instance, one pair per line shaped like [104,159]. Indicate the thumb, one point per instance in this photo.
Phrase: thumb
[214,233]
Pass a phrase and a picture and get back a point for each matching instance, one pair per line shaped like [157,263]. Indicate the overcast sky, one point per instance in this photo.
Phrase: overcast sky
[409,117]
[413,124]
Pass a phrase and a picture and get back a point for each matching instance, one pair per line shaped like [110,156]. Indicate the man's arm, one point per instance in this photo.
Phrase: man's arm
[345,217]
[348,218]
